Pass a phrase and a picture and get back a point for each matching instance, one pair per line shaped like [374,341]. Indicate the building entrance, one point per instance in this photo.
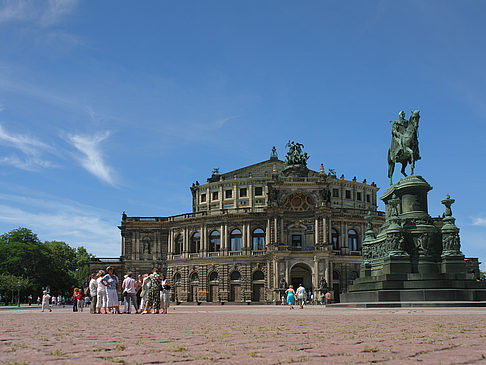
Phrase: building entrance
[301,274]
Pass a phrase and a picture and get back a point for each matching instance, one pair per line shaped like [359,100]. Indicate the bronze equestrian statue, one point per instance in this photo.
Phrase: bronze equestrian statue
[404,145]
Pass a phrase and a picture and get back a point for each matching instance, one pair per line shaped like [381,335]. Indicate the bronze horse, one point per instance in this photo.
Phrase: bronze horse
[408,152]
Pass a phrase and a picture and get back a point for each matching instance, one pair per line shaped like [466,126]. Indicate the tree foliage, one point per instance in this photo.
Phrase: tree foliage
[36,264]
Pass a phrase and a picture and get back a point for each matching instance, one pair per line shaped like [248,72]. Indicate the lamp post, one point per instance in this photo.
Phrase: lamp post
[18,293]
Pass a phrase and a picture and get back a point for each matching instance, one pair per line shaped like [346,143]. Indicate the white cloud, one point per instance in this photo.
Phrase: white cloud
[30,147]
[76,224]
[43,13]
[92,156]
[479,221]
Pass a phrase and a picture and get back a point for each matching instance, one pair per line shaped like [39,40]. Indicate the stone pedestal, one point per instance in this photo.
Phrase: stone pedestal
[414,257]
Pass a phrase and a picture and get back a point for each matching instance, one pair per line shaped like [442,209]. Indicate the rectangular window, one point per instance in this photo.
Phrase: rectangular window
[368,198]
[358,196]
[258,191]
[203,198]
[229,194]
[215,195]
[335,193]
[297,240]
[348,194]
[243,192]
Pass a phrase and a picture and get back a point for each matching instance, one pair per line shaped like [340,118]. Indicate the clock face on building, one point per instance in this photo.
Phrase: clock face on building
[299,202]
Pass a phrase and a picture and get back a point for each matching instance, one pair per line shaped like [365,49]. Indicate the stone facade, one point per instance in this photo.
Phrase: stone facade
[254,231]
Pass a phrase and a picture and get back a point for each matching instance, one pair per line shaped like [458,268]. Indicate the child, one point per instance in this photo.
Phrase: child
[45,301]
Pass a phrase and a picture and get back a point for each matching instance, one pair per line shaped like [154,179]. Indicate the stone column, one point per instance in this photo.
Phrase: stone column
[329,230]
[315,277]
[243,238]
[316,232]
[327,274]
[226,241]
[287,271]
[324,232]
[137,245]
[208,199]
[221,237]
[267,233]
[221,196]
[248,237]
[275,230]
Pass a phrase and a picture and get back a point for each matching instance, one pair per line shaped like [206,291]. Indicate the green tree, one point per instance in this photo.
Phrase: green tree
[9,285]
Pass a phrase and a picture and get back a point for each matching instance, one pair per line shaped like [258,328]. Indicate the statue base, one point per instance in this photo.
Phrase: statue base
[415,257]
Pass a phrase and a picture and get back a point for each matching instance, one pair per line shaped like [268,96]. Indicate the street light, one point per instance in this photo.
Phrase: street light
[18,293]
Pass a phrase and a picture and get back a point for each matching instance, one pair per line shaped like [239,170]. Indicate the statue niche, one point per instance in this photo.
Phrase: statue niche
[146,246]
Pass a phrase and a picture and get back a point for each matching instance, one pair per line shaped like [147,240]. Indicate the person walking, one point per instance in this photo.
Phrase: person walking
[301,295]
[45,301]
[128,286]
[153,300]
[93,292]
[164,294]
[290,296]
[101,300]
[80,300]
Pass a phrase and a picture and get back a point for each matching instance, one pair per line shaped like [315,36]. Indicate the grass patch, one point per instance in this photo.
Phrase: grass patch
[254,354]
[120,347]
[370,349]
[57,352]
[178,348]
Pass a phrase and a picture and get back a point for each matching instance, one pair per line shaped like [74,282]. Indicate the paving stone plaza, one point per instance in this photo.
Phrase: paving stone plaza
[247,334]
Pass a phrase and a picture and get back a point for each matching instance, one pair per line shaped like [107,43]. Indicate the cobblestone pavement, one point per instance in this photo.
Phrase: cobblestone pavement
[246,334]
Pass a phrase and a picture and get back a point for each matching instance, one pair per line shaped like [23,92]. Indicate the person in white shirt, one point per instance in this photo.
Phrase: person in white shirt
[93,293]
[45,301]
[101,299]
[301,295]
[128,286]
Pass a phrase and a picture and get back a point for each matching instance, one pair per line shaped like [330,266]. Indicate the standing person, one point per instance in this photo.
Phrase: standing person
[111,281]
[328,298]
[93,292]
[164,294]
[101,300]
[75,299]
[128,286]
[80,300]
[45,301]
[153,300]
[38,300]
[146,283]
[53,300]
[301,295]
[290,296]
[29,298]
[138,289]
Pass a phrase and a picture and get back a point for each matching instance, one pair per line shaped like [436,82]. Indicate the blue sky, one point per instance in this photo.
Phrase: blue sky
[106,107]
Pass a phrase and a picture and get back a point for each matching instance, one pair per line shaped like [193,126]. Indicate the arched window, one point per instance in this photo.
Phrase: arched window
[335,239]
[195,242]
[352,240]
[177,278]
[258,239]
[335,275]
[235,239]
[214,241]
[258,275]
[235,275]
[213,276]
[195,278]
[178,244]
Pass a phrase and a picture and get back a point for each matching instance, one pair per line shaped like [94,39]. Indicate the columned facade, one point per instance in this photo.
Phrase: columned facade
[253,232]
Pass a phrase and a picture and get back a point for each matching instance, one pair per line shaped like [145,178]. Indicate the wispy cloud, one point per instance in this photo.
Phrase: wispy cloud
[43,13]
[67,221]
[479,221]
[91,155]
[31,150]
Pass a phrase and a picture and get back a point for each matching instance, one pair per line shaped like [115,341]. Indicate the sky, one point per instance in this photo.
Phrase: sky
[108,107]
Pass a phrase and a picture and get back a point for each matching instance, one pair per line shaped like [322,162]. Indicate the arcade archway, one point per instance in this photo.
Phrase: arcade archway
[301,274]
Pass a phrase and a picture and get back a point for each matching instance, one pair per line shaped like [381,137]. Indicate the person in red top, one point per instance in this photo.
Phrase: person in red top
[80,299]
[75,299]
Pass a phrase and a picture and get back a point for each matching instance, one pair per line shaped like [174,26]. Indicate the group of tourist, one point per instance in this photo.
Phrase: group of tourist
[300,296]
[149,293]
